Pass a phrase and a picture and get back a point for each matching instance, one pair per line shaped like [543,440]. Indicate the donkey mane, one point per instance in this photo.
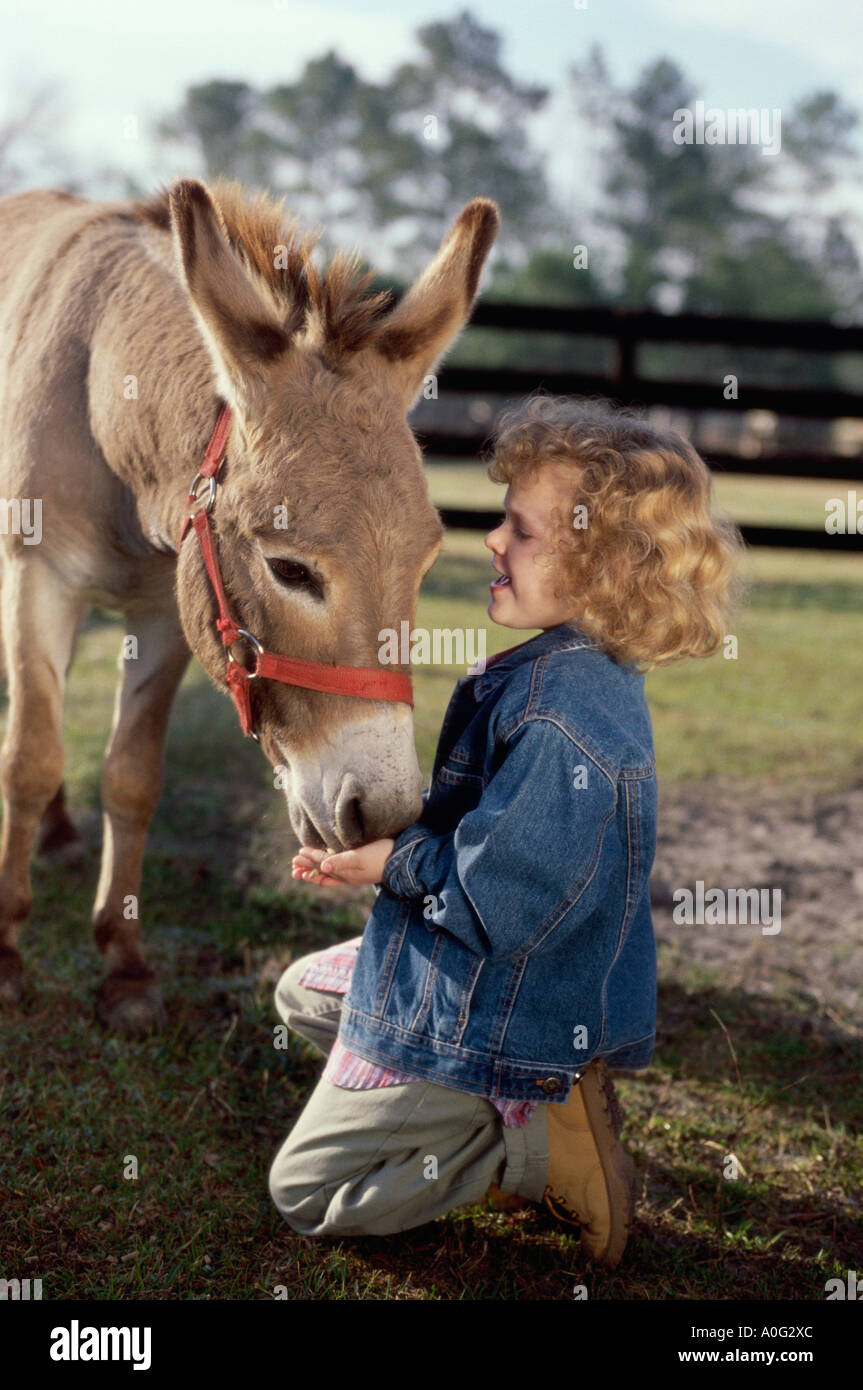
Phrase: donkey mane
[256,226]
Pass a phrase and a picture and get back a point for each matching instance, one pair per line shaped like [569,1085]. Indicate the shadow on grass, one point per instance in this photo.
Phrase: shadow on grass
[778,1047]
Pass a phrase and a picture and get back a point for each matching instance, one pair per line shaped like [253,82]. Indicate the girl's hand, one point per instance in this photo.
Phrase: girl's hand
[351,866]
[306,865]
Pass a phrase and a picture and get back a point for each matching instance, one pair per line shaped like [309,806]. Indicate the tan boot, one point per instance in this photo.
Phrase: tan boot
[590,1177]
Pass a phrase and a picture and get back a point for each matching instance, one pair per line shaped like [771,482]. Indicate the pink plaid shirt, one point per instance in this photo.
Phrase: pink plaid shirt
[330,970]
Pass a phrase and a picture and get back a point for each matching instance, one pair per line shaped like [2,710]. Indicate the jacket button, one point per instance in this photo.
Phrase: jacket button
[550,1086]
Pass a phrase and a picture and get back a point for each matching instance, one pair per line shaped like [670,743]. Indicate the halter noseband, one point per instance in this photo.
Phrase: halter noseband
[366,682]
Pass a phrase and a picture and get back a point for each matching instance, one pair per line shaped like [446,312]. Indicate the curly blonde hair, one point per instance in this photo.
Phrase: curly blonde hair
[653,575]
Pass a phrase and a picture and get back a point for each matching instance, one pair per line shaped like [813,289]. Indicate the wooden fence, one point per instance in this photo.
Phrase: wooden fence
[628,384]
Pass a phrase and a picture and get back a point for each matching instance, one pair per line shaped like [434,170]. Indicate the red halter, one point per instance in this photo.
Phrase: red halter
[367,682]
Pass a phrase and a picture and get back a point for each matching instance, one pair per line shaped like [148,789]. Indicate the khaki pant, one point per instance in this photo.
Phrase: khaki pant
[376,1162]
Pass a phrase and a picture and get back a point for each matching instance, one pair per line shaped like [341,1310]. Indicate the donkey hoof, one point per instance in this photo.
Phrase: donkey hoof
[10,991]
[63,853]
[136,1016]
[130,1005]
[60,843]
[11,968]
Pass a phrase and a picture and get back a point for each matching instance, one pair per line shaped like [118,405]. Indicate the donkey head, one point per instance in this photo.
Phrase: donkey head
[323,522]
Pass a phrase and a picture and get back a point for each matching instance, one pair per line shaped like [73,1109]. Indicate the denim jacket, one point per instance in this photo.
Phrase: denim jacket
[511,939]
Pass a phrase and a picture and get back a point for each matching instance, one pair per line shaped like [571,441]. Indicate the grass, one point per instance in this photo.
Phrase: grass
[203,1107]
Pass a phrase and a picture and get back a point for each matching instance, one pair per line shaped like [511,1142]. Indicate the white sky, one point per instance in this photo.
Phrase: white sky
[114,59]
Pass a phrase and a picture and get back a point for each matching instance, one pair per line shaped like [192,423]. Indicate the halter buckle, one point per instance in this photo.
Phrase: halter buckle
[192,507]
[241,632]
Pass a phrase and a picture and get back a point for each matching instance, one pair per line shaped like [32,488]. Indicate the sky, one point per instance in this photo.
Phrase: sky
[114,59]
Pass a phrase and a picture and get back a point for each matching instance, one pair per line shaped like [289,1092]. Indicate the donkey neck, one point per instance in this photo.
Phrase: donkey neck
[152,396]
[154,458]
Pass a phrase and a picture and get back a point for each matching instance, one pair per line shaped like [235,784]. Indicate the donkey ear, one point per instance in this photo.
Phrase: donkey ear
[241,327]
[414,337]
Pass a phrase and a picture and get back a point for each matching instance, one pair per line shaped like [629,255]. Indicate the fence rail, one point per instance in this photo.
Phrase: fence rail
[627,384]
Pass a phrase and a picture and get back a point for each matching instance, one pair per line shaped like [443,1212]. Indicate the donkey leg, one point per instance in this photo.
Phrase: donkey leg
[40,622]
[128,999]
[59,839]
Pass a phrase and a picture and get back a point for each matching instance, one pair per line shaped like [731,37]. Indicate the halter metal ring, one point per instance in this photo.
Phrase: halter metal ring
[191,507]
[241,632]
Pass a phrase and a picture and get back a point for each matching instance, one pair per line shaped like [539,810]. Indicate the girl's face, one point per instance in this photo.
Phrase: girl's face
[524,596]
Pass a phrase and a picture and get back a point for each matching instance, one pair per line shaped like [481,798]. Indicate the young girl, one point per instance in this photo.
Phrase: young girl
[510,956]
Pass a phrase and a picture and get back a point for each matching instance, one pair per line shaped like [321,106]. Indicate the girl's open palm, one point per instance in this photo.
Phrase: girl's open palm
[352,866]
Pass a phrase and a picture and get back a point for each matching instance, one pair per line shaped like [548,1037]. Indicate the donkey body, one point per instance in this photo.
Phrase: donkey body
[123,328]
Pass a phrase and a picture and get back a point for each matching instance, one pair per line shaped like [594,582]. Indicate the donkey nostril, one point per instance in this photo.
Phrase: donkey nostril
[350,825]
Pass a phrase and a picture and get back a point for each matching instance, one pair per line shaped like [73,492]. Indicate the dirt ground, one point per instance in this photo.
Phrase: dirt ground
[809,845]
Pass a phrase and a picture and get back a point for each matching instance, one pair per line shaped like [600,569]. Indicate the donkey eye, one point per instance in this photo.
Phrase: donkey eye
[294,575]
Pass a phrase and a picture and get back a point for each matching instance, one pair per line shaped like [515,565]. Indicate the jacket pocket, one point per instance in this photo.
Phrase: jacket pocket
[457,789]
[390,962]
[430,992]
[462,766]
[421,1014]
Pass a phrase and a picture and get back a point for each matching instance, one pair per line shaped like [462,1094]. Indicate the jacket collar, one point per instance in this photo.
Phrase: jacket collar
[561,638]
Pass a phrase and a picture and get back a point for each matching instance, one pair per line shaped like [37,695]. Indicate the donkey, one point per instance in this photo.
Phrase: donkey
[127,328]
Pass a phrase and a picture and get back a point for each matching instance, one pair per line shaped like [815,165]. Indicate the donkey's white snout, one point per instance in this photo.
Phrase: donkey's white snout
[366,787]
